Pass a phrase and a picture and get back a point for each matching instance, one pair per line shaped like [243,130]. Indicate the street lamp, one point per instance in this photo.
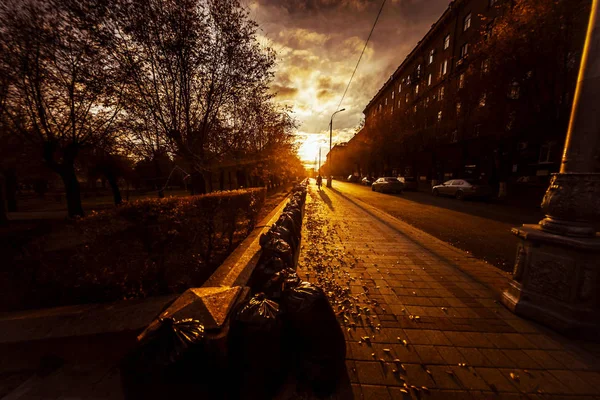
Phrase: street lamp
[331,155]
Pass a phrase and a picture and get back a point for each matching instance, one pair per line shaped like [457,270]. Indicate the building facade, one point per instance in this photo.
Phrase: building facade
[463,104]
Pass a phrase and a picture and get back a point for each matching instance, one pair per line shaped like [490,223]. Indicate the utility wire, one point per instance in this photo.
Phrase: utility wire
[361,54]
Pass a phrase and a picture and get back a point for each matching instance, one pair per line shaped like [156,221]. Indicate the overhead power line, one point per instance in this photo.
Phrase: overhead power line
[361,54]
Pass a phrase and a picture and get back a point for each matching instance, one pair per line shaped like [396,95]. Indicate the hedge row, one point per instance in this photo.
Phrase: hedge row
[149,247]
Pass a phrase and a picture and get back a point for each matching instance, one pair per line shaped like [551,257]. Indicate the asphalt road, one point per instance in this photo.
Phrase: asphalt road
[478,227]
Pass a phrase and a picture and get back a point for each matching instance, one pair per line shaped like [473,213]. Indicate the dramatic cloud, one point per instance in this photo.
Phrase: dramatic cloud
[318,43]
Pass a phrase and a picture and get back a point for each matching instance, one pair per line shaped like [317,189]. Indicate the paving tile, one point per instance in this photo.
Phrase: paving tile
[473,328]
[458,339]
[575,383]
[370,372]
[437,337]
[417,336]
[569,360]
[521,359]
[545,359]
[428,354]
[535,381]
[496,380]
[469,378]
[442,379]
[357,392]
[399,393]
[370,392]
[474,357]
[451,355]
[417,375]
[497,358]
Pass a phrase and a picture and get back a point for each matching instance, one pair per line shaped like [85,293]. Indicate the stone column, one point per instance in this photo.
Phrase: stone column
[556,276]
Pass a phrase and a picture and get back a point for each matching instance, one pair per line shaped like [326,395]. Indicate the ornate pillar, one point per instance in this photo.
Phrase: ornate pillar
[556,278]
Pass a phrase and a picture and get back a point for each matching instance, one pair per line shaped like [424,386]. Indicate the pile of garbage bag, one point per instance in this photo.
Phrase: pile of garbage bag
[288,326]
[166,363]
[286,331]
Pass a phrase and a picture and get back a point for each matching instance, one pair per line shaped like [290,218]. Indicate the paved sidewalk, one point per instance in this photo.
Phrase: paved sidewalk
[422,319]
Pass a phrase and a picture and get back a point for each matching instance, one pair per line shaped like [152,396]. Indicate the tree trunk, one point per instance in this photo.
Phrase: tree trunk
[11,187]
[72,190]
[157,171]
[198,183]
[113,181]
[3,216]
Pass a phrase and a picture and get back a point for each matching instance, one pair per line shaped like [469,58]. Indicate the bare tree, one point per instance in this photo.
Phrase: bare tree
[191,64]
[63,96]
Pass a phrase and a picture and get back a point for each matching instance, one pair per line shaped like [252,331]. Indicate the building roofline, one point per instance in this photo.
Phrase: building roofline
[453,4]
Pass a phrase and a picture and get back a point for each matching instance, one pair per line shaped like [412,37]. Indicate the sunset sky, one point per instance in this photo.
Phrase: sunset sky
[318,43]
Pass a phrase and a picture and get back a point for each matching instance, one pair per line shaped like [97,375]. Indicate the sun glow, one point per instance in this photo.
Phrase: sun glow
[309,148]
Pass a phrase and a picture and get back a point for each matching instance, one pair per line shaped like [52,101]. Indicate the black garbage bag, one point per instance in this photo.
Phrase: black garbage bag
[287,221]
[172,355]
[268,265]
[287,236]
[280,282]
[277,246]
[254,350]
[315,338]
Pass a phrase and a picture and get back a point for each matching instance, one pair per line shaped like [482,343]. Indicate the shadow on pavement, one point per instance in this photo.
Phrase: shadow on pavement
[326,199]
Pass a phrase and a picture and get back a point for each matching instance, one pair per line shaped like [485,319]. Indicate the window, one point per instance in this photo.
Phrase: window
[477,130]
[429,80]
[444,68]
[492,2]
[415,108]
[399,88]
[386,101]
[441,93]
[407,97]
[461,81]
[392,95]
[431,53]
[464,50]
[483,99]
[399,102]
[458,107]
[419,71]
[467,22]
[447,41]
[439,117]
[546,152]
[454,136]
[408,80]
[417,89]
[485,66]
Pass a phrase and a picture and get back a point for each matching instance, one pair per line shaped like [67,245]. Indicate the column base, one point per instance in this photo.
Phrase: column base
[556,281]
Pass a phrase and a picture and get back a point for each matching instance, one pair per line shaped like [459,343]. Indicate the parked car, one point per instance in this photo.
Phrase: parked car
[353,178]
[410,183]
[463,188]
[387,184]
[366,181]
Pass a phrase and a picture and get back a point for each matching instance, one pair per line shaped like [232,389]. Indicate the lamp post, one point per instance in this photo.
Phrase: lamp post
[556,277]
[329,179]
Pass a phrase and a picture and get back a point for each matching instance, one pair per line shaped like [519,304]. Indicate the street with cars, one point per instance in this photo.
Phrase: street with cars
[473,221]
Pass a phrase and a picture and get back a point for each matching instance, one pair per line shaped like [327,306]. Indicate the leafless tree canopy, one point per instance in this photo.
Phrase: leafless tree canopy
[185,79]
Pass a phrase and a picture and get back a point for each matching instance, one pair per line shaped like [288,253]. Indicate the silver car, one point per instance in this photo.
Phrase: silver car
[387,184]
[463,188]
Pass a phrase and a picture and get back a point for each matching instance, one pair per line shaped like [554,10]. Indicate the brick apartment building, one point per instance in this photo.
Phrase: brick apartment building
[449,110]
